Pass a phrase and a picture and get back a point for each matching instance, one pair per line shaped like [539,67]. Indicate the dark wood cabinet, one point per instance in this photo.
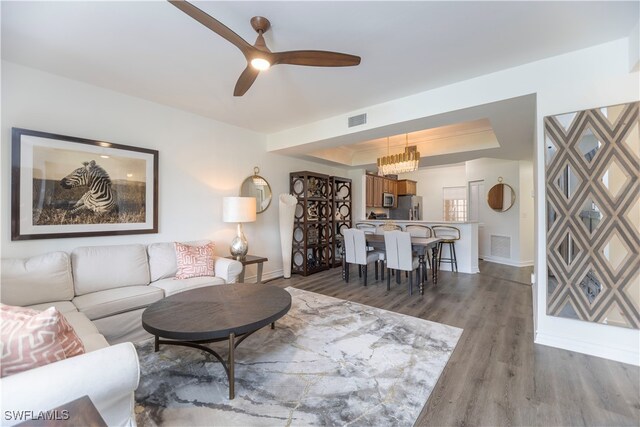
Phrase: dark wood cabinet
[311,251]
[342,217]
[323,211]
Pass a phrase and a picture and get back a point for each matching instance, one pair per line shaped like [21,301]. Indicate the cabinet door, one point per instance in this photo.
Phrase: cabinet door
[406,188]
[369,190]
[377,191]
[412,188]
[393,189]
[401,187]
[385,185]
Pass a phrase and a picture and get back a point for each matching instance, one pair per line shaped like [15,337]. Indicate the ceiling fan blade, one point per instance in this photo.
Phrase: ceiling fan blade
[213,24]
[245,81]
[315,58]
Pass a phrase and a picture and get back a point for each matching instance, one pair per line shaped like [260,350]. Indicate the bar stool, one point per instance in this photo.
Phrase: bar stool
[367,227]
[449,235]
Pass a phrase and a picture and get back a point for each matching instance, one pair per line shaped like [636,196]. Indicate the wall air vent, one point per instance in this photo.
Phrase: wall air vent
[501,246]
[358,120]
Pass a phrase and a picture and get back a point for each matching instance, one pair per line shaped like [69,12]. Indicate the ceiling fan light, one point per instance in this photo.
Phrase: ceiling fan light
[260,64]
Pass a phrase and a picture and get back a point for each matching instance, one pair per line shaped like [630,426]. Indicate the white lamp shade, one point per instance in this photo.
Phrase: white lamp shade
[238,209]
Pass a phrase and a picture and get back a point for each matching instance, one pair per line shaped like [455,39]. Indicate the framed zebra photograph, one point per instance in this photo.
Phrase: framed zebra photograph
[63,186]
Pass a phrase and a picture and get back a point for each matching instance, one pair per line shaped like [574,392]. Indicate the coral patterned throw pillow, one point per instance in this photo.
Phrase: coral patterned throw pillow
[194,261]
[30,338]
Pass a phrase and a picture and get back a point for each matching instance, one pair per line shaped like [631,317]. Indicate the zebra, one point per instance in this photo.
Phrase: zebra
[100,197]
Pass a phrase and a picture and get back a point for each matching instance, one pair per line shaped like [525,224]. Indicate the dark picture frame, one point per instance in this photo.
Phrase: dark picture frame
[64,186]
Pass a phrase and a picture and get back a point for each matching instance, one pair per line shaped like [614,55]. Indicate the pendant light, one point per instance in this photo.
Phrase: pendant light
[408,161]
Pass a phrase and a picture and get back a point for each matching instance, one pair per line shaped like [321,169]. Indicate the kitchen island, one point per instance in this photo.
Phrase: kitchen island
[466,247]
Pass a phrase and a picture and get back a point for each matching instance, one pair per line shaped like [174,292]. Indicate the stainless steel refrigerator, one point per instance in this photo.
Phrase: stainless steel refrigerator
[409,209]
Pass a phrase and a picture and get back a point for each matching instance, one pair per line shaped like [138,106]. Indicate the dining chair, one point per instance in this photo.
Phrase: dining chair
[400,257]
[355,246]
[370,228]
[417,230]
[449,235]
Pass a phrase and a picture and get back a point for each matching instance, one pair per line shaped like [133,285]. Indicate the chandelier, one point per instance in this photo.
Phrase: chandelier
[393,164]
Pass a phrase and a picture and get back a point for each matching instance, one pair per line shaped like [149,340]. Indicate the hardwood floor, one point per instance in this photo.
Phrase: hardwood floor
[497,376]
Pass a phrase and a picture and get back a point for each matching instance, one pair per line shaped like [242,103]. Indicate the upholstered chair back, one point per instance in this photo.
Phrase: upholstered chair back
[355,246]
[398,248]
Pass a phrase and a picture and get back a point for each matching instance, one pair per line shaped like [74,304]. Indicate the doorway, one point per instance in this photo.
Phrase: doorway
[476,206]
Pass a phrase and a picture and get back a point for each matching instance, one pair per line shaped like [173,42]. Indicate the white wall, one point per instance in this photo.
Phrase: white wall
[634,48]
[516,223]
[527,212]
[201,160]
[506,224]
[583,79]
[431,181]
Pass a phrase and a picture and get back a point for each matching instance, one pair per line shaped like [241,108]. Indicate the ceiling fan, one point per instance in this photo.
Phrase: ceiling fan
[259,57]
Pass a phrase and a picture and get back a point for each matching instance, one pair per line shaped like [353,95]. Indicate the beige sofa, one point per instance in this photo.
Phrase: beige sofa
[102,292]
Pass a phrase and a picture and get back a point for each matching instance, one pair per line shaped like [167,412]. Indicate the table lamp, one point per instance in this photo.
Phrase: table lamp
[239,209]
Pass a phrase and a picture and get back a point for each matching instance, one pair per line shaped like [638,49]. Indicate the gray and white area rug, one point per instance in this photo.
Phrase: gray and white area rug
[328,362]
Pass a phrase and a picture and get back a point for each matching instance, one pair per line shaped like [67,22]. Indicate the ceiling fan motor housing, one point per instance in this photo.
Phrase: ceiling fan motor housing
[260,24]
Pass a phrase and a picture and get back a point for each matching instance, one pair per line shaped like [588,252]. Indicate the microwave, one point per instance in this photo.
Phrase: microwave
[388,200]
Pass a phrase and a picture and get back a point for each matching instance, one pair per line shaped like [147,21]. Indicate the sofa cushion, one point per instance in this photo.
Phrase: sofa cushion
[31,338]
[194,261]
[162,258]
[97,305]
[98,268]
[86,331]
[123,327]
[93,342]
[35,280]
[173,286]
[61,306]
[80,323]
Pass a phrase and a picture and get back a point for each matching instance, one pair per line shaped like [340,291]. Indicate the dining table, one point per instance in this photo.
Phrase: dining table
[420,245]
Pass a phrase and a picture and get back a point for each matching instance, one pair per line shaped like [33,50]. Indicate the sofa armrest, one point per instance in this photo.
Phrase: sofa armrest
[227,269]
[109,376]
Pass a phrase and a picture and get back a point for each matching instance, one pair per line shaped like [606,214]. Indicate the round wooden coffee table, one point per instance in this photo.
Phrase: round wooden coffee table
[215,313]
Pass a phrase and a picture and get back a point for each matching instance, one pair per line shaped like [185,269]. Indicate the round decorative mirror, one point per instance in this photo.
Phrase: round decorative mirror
[258,187]
[501,197]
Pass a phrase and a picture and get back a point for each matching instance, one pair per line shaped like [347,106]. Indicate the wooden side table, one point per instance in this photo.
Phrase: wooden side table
[251,259]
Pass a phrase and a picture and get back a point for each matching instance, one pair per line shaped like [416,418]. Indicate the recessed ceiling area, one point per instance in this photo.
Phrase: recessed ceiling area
[456,138]
[151,50]
[501,130]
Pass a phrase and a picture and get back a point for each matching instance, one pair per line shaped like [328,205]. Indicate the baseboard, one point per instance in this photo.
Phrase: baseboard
[265,276]
[593,349]
[508,261]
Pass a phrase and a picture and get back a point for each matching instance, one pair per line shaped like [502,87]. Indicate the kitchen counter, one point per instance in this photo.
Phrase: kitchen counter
[466,247]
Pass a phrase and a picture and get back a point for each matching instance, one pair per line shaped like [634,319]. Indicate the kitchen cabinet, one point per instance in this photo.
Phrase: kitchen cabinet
[406,187]
[376,186]
[393,189]
[369,190]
